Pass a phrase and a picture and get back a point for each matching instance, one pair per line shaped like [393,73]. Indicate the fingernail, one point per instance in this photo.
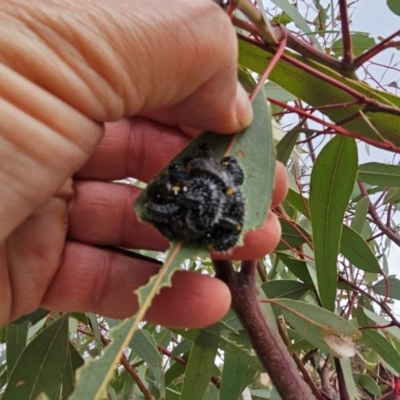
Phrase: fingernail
[244,110]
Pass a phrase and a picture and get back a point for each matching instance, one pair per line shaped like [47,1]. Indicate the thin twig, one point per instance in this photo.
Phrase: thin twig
[214,379]
[372,104]
[346,36]
[335,128]
[300,365]
[372,211]
[293,42]
[125,362]
[380,303]
[268,69]
[373,51]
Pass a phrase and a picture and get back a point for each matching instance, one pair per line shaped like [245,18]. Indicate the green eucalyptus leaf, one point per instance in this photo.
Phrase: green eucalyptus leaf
[393,291]
[198,371]
[360,43]
[320,327]
[332,182]
[40,366]
[285,288]
[379,174]
[356,250]
[296,266]
[293,235]
[367,383]
[17,335]
[376,341]
[382,127]
[394,6]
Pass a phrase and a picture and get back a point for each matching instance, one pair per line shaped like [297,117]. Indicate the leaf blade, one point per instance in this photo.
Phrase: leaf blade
[332,182]
[198,371]
[40,366]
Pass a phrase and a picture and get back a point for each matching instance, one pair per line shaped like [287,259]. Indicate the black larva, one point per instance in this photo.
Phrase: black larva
[199,200]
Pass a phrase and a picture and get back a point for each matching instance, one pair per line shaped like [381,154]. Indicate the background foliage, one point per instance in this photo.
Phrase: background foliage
[329,289]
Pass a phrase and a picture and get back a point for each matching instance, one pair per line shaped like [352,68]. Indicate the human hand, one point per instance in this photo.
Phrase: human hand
[66,68]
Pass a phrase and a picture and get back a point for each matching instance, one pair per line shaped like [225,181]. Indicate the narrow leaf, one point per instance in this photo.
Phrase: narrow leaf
[210,335]
[235,374]
[95,327]
[33,318]
[351,388]
[293,235]
[298,19]
[379,174]
[198,372]
[40,366]
[394,288]
[394,6]
[285,288]
[72,363]
[382,346]
[357,251]
[296,266]
[286,145]
[360,43]
[392,196]
[16,342]
[146,347]
[332,182]
[316,324]
[298,202]
[316,91]
[93,377]
[357,223]
[367,383]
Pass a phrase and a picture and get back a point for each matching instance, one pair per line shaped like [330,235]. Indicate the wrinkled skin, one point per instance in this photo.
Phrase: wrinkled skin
[94,91]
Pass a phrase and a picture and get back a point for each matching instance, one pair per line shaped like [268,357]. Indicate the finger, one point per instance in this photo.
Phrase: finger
[281,186]
[103,282]
[102,214]
[138,147]
[256,244]
[97,49]
[135,147]
[34,251]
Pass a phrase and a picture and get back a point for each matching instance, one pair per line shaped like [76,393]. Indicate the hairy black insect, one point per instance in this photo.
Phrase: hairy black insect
[199,200]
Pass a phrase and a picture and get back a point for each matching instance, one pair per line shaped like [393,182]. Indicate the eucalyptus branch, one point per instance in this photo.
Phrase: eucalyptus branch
[347,45]
[125,362]
[381,304]
[371,105]
[378,222]
[336,128]
[373,51]
[293,42]
[265,340]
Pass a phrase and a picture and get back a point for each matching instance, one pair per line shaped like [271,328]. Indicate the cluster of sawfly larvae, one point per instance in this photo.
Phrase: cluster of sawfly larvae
[199,200]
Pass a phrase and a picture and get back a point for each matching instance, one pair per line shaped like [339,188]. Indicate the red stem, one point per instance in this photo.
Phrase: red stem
[346,36]
[373,51]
